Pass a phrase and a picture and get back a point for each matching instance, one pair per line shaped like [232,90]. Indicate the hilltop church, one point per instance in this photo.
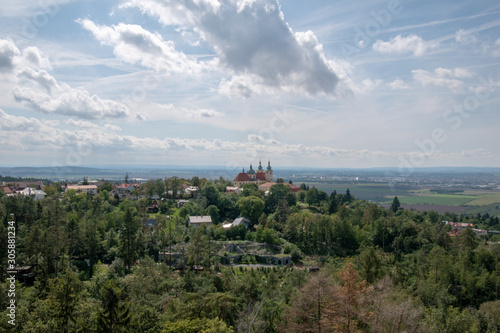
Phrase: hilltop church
[252,176]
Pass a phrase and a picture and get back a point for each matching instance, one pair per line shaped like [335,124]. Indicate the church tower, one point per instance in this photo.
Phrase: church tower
[251,173]
[269,172]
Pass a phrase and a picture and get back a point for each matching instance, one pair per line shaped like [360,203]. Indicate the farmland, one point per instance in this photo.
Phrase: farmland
[421,198]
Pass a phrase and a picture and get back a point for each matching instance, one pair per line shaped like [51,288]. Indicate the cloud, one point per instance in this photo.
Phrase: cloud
[70,102]
[398,84]
[443,77]
[465,37]
[135,45]
[401,45]
[8,52]
[38,89]
[253,43]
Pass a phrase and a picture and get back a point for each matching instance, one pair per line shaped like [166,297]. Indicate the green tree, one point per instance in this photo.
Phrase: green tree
[210,192]
[395,204]
[114,313]
[128,237]
[64,295]
[312,196]
[252,208]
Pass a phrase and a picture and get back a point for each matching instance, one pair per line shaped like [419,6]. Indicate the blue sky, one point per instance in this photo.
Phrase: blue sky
[228,82]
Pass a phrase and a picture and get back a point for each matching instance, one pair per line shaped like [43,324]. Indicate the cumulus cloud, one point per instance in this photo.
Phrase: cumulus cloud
[401,45]
[70,102]
[253,42]
[38,89]
[398,84]
[135,45]
[184,112]
[444,77]
[8,52]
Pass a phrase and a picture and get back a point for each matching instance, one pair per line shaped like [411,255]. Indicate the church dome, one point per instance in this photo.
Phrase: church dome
[251,171]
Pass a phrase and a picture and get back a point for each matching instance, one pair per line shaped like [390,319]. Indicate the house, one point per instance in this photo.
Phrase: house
[238,221]
[20,185]
[28,191]
[181,203]
[457,227]
[199,220]
[190,191]
[7,190]
[92,189]
[241,220]
[233,189]
[154,207]
[125,187]
[266,187]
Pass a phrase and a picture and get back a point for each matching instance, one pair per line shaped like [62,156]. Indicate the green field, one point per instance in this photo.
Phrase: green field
[435,199]
[473,200]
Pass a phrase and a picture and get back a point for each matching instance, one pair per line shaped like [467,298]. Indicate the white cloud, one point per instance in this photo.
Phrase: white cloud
[135,45]
[398,84]
[400,45]
[112,127]
[70,102]
[8,52]
[465,37]
[443,77]
[253,44]
[56,98]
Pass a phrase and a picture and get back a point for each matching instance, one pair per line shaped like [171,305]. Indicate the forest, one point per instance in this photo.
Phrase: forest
[97,266]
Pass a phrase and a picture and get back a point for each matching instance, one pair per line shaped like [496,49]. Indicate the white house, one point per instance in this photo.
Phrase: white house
[28,191]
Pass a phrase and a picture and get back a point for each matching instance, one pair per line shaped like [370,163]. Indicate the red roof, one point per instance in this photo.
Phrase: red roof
[6,189]
[260,176]
[242,177]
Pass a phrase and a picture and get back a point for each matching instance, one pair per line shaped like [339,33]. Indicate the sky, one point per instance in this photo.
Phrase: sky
[319,83]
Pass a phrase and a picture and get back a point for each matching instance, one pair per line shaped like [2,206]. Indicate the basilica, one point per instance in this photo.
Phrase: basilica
[257,177]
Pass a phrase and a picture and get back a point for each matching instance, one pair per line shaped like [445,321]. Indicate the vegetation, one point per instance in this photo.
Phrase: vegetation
[100,268]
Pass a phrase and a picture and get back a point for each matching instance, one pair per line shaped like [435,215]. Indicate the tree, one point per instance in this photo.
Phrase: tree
[395,204]
[312,196]
[345,308]
[210,192]
[126,178]
[252,208]
[307,311]
[128,237]
[64,296]
[114,313]
[333,204]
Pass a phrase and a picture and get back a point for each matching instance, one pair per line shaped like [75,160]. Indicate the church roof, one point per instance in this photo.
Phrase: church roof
[242,177]
[260,176]
[269,165]
[251,171]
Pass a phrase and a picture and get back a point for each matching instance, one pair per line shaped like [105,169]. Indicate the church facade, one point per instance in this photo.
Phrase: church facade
[254,176]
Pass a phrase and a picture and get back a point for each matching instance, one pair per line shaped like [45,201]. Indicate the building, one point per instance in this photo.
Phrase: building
[196,221]
[92,189]
[7,190]
[236,222]
[266,187]
[37,194]
[252,176]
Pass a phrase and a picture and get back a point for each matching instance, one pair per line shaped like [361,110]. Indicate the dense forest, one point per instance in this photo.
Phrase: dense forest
[98,266]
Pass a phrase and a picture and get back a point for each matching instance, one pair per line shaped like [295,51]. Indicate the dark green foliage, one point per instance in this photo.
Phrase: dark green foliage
[421,279]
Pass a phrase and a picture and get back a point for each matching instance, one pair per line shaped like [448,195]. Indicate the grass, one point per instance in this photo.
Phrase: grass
[435,199]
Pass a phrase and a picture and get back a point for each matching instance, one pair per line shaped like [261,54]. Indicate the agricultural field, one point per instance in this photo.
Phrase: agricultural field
[455,200]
